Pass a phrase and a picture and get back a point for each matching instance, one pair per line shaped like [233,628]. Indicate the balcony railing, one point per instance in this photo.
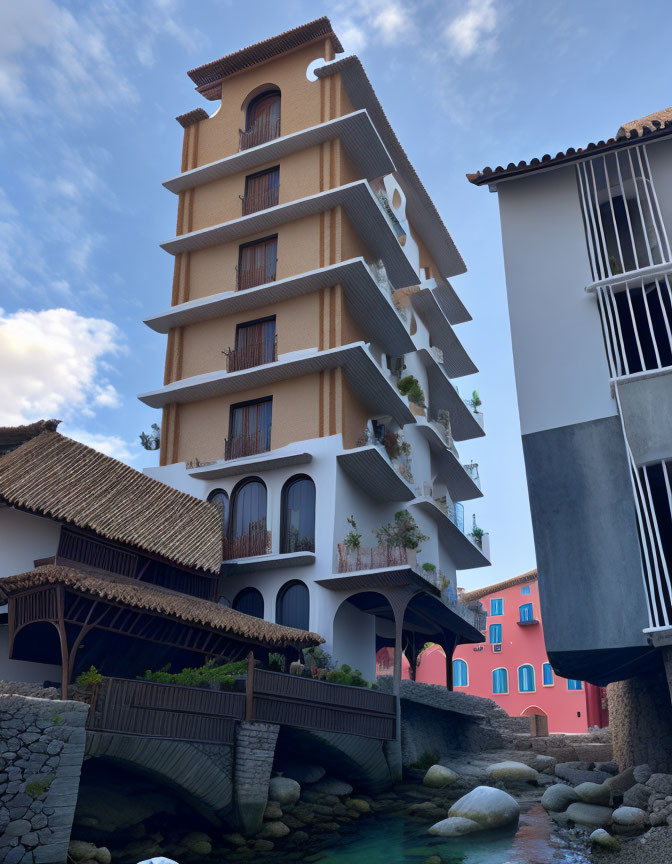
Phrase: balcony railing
[257,541]
[394,223]
[373,558]
[260,199]
[239,446]
[263,130]
[253,276]
[254,354]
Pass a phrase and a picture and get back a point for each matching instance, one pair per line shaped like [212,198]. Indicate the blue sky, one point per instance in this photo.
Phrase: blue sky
[88,93]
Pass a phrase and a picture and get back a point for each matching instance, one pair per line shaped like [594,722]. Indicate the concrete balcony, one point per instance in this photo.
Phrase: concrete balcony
[357,199]
[366,378]
[372,470]
[464,423]
[460,482]
[277,561]
[282,457]
[369,303]
[456,361]
[356,132]
[465,553]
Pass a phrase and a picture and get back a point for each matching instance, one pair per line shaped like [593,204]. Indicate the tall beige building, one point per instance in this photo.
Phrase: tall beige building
[311,352]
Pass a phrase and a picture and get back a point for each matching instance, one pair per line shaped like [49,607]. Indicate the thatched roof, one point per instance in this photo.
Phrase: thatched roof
[161,601]
[54,476]
[12,437]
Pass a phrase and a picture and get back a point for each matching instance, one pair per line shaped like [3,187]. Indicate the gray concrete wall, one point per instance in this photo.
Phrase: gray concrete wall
[646,406]
[255,750]
[588,556]
[41,753]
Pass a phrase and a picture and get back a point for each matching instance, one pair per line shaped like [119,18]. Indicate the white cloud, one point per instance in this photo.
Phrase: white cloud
[361,21]
[473,30]
[51,362]
[110,445]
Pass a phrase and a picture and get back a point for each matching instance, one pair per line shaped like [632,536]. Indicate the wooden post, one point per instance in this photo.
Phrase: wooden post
[65,657]
[249,689]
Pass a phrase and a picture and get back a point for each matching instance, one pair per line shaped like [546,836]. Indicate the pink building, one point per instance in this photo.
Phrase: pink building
[512,667]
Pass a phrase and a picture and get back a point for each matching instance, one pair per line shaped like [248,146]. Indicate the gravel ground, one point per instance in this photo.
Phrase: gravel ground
[656,849]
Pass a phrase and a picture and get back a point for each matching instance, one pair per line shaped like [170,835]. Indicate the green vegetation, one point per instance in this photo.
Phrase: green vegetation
[353,538]
[276,662]
[475,401]
[89,678]
[57,720]
[476,532]
[430,568]
[38,787]
[410,386]
[404,532]
[151,441]
[345,675]
[426,761]
[224,673]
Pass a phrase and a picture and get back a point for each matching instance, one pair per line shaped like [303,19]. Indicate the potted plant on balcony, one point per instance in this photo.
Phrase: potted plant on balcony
[353,539]
[410,386]
[403,533]
[476,533]
[475,402]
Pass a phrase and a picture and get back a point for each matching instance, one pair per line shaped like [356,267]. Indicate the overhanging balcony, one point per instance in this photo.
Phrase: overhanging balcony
[456,361]
[442,394]
[368,302]
[356,131]
[463,551]
[358,201]
[453,308]
[281,457]
[371,469]
[364,375]
[460,482]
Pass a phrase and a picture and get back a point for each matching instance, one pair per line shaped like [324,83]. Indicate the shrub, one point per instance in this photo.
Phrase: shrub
[200,677]
[89,678]
[353,538]
[429,568]
[404,532]
[476,532]
[38,787]
[317,658]
[276,662]
[344,675]
[426,761]
[410,386]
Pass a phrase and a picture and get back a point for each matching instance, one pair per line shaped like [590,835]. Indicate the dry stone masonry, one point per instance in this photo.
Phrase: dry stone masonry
[41,752]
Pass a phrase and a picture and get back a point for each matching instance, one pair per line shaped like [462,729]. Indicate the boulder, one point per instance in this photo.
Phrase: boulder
[284,790]
[637,796]
[603,839]
[558,797]
[641,773]
[198,843]
[574,772]
[159,859]
[439,776]
[660,783]
[302,772]
[516,772]
[274,830]
[608,767]
[331,786]
[78,850]
[591,815]
[488,806]
[262,845]
[103,855]
[630,817]
[560,818]
[594,793]
[455,826]
[273,812]
[622,782]
[358,804]
[544,763]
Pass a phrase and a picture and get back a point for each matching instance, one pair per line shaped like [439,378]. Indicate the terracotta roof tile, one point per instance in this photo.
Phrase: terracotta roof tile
[530,576]
[664,116]
[192,117]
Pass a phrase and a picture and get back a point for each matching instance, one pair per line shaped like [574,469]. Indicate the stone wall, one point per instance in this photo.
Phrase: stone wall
[41,752]
[255,750]
[640,717]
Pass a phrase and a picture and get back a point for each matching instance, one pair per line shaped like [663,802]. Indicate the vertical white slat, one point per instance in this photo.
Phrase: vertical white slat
[634,327]
[665,250]
[661,551]
[621,342]
[613,214]
[627,209]
[651,330]
[587,221]
[639,206]
[668,489]
[663,308]
[603,241]
[650,206]
[608,332]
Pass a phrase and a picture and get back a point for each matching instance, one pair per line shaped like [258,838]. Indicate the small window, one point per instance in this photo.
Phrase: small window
[249,601]
[500,681]
[526,612]
[495,634]
[220,499]
[292,607]
[497,606]
[526,682]
[257,263]
[525,589]
[547,670]
[460,674]
[261,191]
[262,120]
[574,684]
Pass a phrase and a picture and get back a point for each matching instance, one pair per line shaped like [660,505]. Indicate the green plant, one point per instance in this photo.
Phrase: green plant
[201,676]
[476,532]
[410,386]
[89,678]
[317,658]
[353,538]
[345,675]
[276,662]
[393,444]
[430,568]
[57,720]
[38,787]
[475,401]
[153,440]
[403,532]
[426,761]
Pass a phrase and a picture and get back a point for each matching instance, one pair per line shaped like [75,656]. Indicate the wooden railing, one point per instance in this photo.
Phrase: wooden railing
[260,199]
[254,354]
[257,541]
[196,714]
[372,558]
[239,446]
[263,130]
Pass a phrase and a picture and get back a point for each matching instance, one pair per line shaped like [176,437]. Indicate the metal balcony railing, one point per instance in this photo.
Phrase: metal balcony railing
[253,276]
[257,541]
[260,199]
[372,558]
[253,354]
[263,130]
[239,446]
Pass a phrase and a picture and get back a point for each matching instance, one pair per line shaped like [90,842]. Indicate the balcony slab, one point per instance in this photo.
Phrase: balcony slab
[258,563]
[442,394]
[465,554]
[460,484]
[268,461]
[373,472]
[456,361]
[382,577]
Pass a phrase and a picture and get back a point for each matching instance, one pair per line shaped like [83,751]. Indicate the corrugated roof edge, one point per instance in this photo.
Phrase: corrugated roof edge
[494,175]
[478,593]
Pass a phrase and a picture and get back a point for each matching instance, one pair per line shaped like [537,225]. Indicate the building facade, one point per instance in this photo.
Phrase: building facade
[587,254]
[311,353]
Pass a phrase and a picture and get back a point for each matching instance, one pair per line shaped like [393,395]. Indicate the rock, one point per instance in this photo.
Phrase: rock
[488,806]
[331,786]
[273,811]
[594,793]
[602,838]
[637,796]
[660,783]
[516,772]
[622,782]
[641,773]
[284,790]
[235,839]
[560,818]
[274,830]
[302,772]
[439,776]
[262,845]
[558,797]
[630,817]
[591,815]
[568,771]
[608,767]
[78,850]
[103,855]
[544,780]
[300,837]
[198,843]
[358,804]
[544,763]
[454,826]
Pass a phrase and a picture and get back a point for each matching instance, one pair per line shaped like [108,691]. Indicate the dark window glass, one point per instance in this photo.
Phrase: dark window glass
[249,429]
[250,601]
[292,607]
[220,499]
[262,122]
[248,511]
[255,344]
[257,263]
[261,191]
[298,515]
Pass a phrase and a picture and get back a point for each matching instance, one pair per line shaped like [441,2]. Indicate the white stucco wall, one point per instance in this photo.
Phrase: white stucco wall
[23,539]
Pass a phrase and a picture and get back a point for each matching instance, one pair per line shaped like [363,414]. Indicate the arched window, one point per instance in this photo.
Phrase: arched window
[500,681]
[298,515]
[460,674]
[249,601]
[220,499]
[526,679]
[262,119]
[547,675]
[248,507]
[495,634]
[526,612]
[292,607]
